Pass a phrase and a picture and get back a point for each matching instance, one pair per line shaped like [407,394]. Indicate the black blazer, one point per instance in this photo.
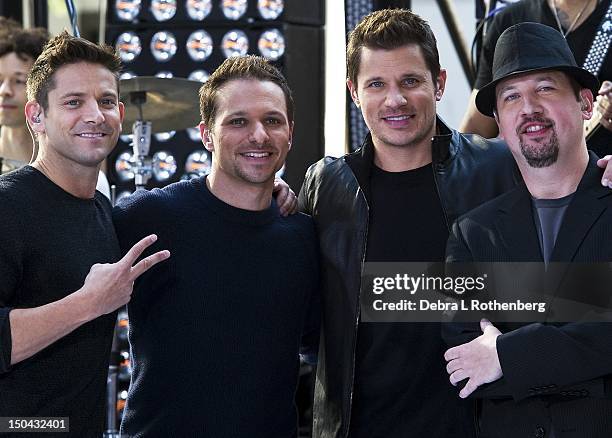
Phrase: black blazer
[555,375]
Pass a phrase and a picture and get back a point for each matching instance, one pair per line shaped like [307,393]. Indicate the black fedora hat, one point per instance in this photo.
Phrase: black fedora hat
[527,47]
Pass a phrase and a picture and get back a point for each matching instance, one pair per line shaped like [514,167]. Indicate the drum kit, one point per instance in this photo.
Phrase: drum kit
[154,105]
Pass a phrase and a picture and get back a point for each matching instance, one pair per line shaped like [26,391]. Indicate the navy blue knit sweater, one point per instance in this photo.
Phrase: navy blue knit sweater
[215,331]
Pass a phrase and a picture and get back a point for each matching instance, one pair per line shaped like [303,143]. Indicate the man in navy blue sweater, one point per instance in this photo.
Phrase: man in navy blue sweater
[215,334]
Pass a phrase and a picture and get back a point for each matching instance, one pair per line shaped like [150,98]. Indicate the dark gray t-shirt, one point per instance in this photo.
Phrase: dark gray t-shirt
[548,215]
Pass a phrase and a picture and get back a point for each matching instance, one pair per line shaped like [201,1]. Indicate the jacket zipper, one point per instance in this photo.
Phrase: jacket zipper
[433,168]
[358,310]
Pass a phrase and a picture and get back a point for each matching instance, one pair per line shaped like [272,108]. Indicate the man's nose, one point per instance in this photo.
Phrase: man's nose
[92,113]
[395,98]
[531,105]
[5,87]
[259,135]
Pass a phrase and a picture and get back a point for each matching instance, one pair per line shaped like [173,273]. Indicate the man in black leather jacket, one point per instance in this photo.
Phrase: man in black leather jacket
[394,199]
[388,379]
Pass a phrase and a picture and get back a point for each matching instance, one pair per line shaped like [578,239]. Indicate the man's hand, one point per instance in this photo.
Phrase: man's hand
[606,163]
[603,104]
[477,360]
[605,109]
[286,199]
[109,286]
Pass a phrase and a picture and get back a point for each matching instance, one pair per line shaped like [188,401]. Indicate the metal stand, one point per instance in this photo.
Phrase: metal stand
[141,146]
[452,24]
[141,143]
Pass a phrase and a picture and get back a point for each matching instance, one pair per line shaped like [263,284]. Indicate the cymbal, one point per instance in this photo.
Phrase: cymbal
[169,104]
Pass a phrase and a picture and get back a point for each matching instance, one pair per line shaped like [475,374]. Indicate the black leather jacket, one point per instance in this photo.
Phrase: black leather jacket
[468,170]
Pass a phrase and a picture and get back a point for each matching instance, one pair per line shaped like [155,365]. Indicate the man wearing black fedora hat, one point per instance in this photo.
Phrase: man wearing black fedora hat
[542,380]
[584,23]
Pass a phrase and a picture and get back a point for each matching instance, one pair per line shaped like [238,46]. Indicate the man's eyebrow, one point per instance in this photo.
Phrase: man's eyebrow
[71,94]
[405,75]
[236,114]
[506,88]
[108,93]
[275,113]
[544,77]
[244,113]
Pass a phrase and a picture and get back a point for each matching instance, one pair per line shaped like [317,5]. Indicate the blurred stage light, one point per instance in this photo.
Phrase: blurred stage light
[199,75]
[126,138]
[164,74]
[234,9]
[198,9]
[194,134]
[127,10]
[164,165]
[163,10]
[127,75]
[189,39]
[235,43]
[122,325]
[123,166]
[164,136]
[163,46]
[125,367]
[128,46]
[199,45]
[271,44]
[198,162]
[270,9]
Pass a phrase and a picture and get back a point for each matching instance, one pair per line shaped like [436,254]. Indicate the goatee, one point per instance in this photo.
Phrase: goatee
[541,154]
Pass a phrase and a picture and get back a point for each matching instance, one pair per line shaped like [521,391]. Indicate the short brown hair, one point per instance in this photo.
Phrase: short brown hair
[389,29]
[25,43]
[62,50]
[240,67]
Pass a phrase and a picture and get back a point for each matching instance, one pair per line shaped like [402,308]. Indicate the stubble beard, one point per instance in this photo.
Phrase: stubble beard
[420,134]
[10,121]
[255,178]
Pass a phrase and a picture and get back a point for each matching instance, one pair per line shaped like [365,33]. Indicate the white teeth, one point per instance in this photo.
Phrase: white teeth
[91,135]
[257,154]
[534,128]
[397,118]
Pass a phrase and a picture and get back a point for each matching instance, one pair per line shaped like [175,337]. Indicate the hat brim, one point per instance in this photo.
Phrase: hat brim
[485,98]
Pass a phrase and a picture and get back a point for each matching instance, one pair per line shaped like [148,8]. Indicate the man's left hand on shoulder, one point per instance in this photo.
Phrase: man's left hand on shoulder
[606,163]
[476,361]
[603,104]
[605,109]
[287,200]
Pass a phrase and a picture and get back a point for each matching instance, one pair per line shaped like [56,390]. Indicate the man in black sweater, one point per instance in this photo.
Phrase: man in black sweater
[215,334]
[56,300]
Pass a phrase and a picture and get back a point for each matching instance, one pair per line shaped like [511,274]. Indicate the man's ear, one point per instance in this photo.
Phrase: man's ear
[440,84]
[206,136]
[499,126]
[586,103]
[34,116]
[121,115]
[291,134]
[353,90]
